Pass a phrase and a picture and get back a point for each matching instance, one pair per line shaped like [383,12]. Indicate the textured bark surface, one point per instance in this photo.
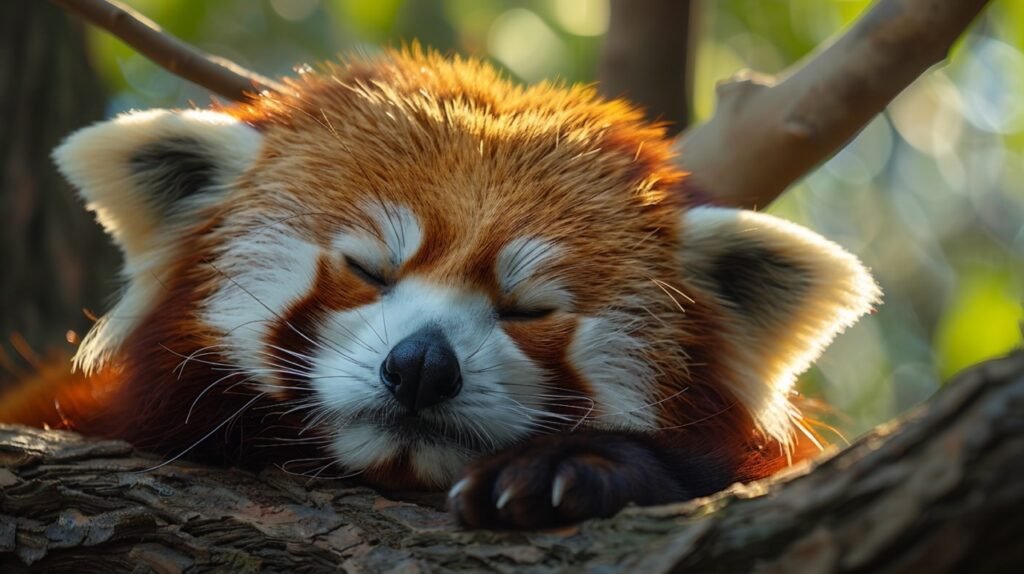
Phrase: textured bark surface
[55,259]
[939,491]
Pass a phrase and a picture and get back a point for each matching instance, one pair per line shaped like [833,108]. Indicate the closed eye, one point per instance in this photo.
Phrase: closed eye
[365,274]
[515,314]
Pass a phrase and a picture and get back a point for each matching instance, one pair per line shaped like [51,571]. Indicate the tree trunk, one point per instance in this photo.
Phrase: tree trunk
[939,491]
[647,58]
[55,259]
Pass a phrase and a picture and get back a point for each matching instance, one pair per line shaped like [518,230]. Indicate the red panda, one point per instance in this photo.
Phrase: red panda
[410,270]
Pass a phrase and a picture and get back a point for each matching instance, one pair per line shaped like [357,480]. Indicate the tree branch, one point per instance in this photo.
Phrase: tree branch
[218,75]
[938,492]
[766,135]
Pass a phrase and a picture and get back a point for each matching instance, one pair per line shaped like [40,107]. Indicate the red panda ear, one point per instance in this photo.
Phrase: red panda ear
[147,175]
[143,173]
[787,290]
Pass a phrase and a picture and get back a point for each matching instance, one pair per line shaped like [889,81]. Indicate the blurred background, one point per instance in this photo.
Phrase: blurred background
[930,195]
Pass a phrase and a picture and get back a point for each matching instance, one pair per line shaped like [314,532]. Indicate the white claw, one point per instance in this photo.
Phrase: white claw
[504,498]
[558,489]
[459,487]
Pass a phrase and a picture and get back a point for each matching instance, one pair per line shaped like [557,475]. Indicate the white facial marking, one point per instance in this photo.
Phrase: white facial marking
[608,355]
[364,248]
[362,445]
[519,269]
[399,229]
[394,237]
[265,272]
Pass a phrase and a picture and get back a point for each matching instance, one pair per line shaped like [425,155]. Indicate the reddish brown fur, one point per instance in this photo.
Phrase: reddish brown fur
[545,343]
[332,290]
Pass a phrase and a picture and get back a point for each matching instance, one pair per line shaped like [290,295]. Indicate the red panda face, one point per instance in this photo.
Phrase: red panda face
[444,306]
[423,263]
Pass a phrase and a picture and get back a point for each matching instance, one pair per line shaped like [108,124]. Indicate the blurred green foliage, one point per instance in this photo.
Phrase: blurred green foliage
[930,195]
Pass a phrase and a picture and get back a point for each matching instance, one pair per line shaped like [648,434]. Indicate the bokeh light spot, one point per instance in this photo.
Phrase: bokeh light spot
[524,43]
[582,17]
[294,10]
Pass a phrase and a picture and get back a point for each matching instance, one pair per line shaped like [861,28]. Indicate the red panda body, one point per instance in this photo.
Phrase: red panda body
[411,270]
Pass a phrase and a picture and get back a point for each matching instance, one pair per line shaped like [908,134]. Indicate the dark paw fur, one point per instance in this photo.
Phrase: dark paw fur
[555,480]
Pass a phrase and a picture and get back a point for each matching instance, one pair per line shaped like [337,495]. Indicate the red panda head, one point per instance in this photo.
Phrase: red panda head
[424,262]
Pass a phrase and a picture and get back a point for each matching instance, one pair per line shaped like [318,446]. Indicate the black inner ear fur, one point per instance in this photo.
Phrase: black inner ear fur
[174,169]
[760,283]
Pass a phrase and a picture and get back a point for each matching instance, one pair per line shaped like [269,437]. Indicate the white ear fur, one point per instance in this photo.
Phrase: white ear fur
[99,161]
[788,292]
[146,174]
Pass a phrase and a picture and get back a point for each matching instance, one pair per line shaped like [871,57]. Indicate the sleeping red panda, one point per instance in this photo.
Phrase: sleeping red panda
[415,272]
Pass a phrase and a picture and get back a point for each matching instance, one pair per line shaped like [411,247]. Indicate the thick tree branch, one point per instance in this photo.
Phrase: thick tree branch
[218,75]
[938,492]
[766,135]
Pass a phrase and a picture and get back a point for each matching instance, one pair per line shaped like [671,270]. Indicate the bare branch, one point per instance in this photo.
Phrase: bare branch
[766,135]
[215,74]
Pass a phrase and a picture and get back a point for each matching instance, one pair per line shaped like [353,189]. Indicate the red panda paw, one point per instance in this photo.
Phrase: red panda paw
[554,480]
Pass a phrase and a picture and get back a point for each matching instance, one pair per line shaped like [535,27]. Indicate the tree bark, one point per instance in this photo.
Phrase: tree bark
[55,258]
[938,491]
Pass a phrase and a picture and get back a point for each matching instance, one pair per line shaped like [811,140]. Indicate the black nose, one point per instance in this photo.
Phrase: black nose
[422,370]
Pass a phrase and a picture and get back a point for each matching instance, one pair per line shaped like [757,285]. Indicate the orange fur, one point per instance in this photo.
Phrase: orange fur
[55,397]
